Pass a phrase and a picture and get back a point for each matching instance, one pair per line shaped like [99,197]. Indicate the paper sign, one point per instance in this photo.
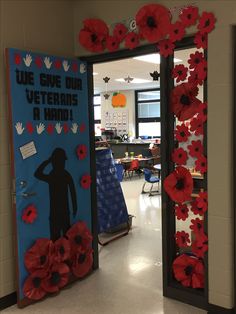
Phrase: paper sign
[28,150]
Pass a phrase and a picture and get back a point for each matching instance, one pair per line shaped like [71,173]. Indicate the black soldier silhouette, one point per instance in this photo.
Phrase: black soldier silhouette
[60,182]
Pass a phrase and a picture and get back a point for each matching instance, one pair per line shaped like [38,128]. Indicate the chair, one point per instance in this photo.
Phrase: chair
[150,179]
[134,167]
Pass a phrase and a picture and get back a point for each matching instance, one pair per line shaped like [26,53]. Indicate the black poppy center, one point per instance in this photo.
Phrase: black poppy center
[62,250]
[81,151]
[189,16]
[188,270]
[182,134]
[184,99]
[199,226]
[94,37]
[205,111]
[81,258]
[29,213]
[203,37]
[55,278]
[183,210]
[207,23]
[133,39]
[180,72]
[180,184]
[180,155]
[197,60]
[78,239]
[196,149]
[42,259]
[166,46]
[36,282]
[176,31]
[203,164]
[183,239]
[151,22]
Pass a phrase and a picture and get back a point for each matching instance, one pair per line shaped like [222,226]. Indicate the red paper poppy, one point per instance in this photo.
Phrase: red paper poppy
[65,128]
[206,22]
[197,210]
[176,31]
[29,214]
[86,181]
[75,67]
[179,156]
[182,133]
[184,103]
[196,126]
[195,149]
[17,58]
[180,72]
[39,256]
[50,128]
[32,287]
[112,43]
[182,239]
[199,249]
[201,40]
[80,237]
[179,185]
[57,64]
[189,271]
[202,111]
[194,78]
[131,40]
[195,59]
[57,278]
[202,200]
[197,225]
[82,263]
[82,127]
[81,151]
[189,16]
[38,61]
[181,211]
[30,127]
[153,21]
[166,47]
[201,164]
[93,35]
[120,31]
[202,70]
[61,250]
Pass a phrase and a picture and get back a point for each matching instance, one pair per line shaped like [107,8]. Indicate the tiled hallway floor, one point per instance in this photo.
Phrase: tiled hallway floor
[129,280]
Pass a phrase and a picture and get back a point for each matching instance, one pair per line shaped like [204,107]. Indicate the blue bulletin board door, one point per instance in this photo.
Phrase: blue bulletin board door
[51,149]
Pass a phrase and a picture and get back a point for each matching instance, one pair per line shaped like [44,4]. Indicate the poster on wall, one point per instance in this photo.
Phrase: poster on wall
[48,100]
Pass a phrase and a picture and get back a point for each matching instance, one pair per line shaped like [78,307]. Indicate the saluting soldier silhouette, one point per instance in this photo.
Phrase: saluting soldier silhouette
[60,182]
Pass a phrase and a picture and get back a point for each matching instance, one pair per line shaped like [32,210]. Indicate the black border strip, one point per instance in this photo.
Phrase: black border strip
[215,309]
[8,300]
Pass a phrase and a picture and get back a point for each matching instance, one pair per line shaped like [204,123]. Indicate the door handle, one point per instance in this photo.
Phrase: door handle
[28,194]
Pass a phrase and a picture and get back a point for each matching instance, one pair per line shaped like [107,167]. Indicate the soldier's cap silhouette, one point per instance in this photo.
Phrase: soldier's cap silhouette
[59,154]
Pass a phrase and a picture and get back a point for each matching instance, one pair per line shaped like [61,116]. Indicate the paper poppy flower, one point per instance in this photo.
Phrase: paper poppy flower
[202,200]
[182,239]
[30,127]
[196,126]
[81,151]
[82,263]
[65,128]
[32,287]
[153,21]
[86,181]
[202,70]
[39,256]
[93,35]
[195,149]
[202,111]
[112,43]
[179,156]
[201,164]
[179,72]
[131,40]
[120,31]
[194,78]
[29,214]
[201,40]
[206,22]
[82,127]
[200,248]
[17,58]
[197,210]
[179,185]
[50,128]
[184,103]
[189,271]
[166,47]
[57,64]
[38,61]
[197,225]
[75,67]
[181,211]
[57,278]
[189,16]
[61,250]
[176,31]
[80,237]
[195,59]
[182,133]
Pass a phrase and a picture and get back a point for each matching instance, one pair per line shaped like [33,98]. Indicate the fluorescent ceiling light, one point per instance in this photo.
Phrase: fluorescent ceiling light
[95,73]
[153,58]
[134,81]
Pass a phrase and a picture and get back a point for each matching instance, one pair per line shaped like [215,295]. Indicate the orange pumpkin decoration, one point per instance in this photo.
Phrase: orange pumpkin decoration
[118,100]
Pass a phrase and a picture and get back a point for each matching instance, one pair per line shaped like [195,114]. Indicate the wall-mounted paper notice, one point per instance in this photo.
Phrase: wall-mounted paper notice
[28,150]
